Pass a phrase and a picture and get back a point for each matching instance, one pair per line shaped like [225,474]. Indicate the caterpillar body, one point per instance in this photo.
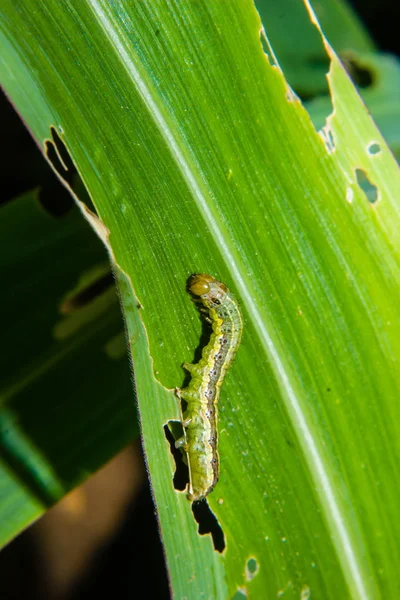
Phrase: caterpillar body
[200,417]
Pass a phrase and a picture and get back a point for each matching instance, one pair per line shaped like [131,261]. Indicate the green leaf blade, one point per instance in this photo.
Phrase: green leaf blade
[204,162]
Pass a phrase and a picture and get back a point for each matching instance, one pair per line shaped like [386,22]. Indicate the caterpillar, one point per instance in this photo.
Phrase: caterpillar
[200,416]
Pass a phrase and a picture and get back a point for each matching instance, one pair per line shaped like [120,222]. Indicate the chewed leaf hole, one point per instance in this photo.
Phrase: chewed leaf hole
[267,48]
[369,189]
[373,148]
[173,431]
[251,568]
[327,135]
[208,523]
[241,594]
[58,156]
[361,76]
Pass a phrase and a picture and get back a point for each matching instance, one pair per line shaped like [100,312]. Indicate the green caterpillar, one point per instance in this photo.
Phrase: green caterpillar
[200,418]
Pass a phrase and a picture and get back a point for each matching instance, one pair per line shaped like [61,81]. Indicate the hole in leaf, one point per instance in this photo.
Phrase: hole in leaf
[327,135]
[204,516]
[305,70]
[251,568]
[373,148]
[361,76]
[57,154]
[267,48]
[173,431]
[369,189]
[60,159]
[208,523]
[240,595]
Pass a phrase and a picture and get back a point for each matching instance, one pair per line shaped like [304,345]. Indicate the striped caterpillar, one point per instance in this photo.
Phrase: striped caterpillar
[200,416]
